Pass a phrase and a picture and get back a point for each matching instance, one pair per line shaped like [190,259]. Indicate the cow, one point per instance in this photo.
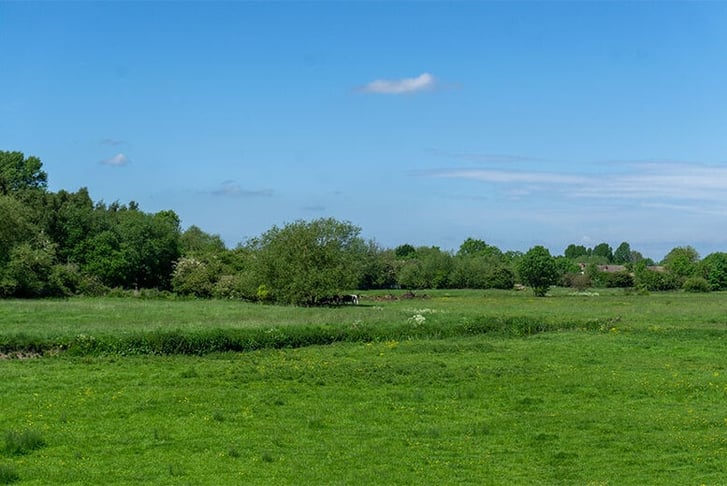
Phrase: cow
[350,299]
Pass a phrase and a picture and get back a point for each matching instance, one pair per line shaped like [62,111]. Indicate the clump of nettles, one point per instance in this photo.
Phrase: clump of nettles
[8,475]
[23,442]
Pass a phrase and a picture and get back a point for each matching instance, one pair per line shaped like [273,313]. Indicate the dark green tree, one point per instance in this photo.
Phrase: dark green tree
[603,250]
[622,255]
[575,252]
[130,248]
[18,173]
[538,269]
[405,251]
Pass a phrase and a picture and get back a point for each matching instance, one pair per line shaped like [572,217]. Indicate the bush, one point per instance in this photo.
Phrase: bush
[696,284]
[192,277]
[64,280]
[619,280]
[578,281]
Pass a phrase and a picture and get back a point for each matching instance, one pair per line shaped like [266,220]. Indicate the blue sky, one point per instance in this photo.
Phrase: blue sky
[421,122]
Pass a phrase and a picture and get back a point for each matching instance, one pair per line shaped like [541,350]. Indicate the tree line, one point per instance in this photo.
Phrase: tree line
[63,243]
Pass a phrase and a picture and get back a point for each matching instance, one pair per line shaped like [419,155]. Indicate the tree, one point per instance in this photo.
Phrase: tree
[681,262]
[18,173]
[473,247]
[303,262]
[405,251]
[714,269]
[15,226]
[622,255]
[429,270]
[378,269]
[29,269]
[130,248]
[574,251]
[67,218]
[196,242]
[603,250]
[537,269]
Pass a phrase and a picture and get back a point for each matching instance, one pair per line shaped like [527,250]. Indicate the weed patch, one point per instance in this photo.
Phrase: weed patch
[8,475]
[23,442]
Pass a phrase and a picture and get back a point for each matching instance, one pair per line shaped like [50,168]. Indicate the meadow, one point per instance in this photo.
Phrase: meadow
[459,387]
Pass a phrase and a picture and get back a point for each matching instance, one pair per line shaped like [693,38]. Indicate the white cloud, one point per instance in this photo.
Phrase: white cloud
[118,160]
[401,86]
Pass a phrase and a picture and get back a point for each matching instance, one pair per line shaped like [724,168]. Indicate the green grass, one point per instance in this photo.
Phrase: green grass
[641,401]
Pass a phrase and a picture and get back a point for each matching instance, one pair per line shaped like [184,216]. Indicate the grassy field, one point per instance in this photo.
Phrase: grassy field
[640,400]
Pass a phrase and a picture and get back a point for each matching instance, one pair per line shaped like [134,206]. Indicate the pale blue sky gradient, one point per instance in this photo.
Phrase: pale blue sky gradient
[425,123]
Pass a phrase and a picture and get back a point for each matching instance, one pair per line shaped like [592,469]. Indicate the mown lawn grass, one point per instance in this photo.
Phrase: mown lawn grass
[643,401]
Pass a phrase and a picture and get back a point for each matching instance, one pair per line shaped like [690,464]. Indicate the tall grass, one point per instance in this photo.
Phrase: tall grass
[205,341]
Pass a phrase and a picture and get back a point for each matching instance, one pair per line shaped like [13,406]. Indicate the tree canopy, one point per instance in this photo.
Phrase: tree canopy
[18,173]
[538,269]
[303,262]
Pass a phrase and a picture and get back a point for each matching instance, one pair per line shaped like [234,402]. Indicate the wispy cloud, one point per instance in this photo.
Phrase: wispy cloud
[118,160]
[483,158]
[507,176]
[113,142]
[673,186]
[233,189]
[424,81]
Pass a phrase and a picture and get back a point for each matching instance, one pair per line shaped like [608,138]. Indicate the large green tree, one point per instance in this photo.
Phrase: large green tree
[538,269]
[130,248]
[18,173]
[306,261]
[681,262]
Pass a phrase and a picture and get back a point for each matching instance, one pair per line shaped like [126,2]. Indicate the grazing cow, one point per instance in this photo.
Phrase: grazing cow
[350,299]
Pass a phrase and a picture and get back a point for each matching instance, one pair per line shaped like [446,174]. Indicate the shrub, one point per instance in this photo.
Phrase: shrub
[192,277]
[696,284]
[578,281]
[619,280]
